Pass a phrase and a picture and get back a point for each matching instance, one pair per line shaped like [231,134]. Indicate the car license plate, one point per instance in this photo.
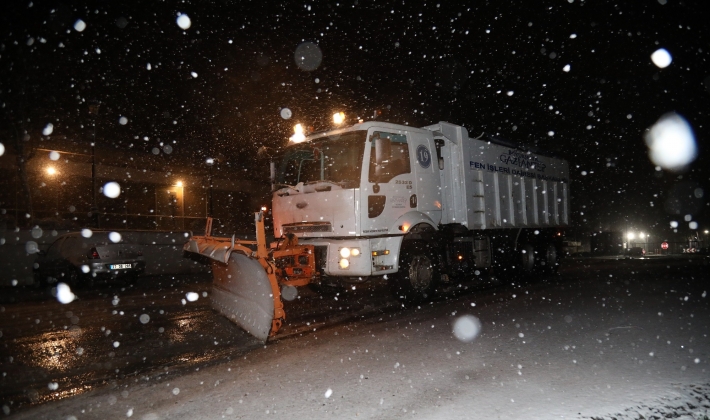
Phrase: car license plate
[119,266]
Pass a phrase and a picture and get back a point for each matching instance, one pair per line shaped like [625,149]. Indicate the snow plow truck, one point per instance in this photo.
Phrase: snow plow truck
[416,207]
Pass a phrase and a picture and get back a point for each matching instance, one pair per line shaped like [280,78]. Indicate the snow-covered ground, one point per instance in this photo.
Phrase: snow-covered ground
[631,345]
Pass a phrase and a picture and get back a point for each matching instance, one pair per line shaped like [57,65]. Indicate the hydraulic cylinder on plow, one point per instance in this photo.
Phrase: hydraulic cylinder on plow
[248,276]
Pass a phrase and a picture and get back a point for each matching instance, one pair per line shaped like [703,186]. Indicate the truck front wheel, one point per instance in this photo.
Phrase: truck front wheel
[418,272]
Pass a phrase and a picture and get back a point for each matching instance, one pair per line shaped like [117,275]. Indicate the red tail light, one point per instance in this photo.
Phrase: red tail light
[93,254]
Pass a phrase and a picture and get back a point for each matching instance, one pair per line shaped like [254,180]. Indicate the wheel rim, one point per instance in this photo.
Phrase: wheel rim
[420,272]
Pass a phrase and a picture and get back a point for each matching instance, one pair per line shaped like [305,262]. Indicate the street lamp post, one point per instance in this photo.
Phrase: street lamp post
[52,172]
[94,110]
[210,209]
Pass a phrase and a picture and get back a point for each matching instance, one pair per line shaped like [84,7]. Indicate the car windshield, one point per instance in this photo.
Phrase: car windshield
[336,159]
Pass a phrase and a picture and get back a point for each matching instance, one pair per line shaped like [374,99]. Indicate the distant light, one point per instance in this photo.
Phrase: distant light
[671,142]
[661,58]
[630,235]
[642,235]
[51,170]
[184,21]
[178,184]
[338,118]
[706,231]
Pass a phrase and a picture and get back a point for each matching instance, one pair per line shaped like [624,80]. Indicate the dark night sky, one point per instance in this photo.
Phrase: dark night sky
[419,62]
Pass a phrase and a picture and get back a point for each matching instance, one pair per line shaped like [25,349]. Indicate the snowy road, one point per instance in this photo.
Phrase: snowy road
[605,338]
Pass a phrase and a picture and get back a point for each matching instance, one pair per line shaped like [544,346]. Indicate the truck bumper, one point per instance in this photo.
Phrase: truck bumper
[364,256]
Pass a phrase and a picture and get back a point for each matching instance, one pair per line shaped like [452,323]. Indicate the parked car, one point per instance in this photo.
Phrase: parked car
[636,251]
[74,259]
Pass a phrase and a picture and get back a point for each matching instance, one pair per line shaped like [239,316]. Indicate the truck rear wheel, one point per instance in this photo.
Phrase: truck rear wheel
[550,260]
[527,257]
[418,272]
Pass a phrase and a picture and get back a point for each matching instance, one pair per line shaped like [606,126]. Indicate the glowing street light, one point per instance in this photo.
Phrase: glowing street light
[298,134]
[631,235]
[51,170]
[338,118]
[178,184]
[642,235]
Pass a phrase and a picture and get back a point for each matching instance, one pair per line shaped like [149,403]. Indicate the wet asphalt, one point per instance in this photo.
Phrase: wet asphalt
[156,329]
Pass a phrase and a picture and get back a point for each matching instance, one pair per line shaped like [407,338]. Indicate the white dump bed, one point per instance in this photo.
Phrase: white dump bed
[487,185]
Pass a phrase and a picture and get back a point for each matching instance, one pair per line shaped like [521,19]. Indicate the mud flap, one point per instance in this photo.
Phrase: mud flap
[243,293]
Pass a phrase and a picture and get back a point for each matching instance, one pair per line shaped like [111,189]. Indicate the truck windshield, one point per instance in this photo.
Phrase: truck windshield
[336,159]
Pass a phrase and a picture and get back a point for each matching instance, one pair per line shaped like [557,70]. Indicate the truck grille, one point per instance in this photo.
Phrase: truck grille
[307,227]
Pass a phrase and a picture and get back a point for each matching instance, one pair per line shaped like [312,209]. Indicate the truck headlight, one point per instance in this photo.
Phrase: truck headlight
[345,252]
[355,252]
[344,263]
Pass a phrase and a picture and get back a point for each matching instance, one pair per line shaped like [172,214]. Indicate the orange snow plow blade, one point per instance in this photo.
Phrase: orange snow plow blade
[246,281]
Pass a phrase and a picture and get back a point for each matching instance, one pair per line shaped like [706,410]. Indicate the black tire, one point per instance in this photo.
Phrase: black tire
[418,274]
[527,258]
[550,259]
[74,278]
[37,281]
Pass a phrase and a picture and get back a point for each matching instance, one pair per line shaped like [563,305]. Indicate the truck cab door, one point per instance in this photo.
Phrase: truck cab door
[387,181]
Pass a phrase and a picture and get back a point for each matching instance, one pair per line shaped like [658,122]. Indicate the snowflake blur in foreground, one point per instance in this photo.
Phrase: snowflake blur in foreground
[114,237]
[308,56]
[86,233]
[2,149]
[184,22]
[53,155]
[328,393]
[123,120]
[112,189]
[64,293]
[661,58]
[671,143]
[286,113]
[467,328]
[79,25]
[192,296]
